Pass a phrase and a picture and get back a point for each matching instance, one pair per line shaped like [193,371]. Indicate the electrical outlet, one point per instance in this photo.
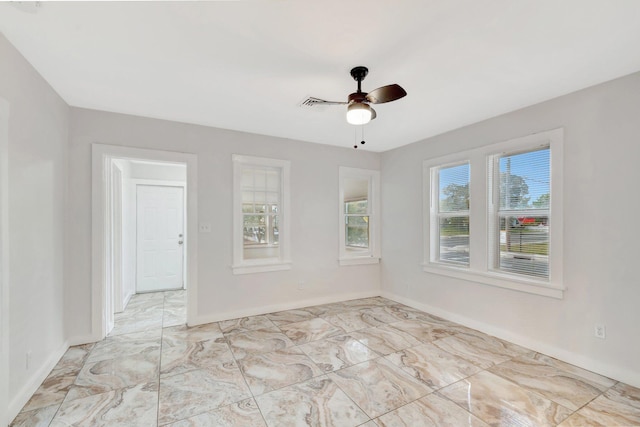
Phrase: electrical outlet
[600,331]
[28,359]
[301,285]
[205,227]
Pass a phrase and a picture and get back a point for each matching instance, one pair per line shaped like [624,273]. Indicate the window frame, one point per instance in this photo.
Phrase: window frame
[436,214]
[481,243]
[283,260]
[372,256]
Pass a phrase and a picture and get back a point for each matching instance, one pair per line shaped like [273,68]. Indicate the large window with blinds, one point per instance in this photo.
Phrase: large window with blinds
[450,213]
[493,215]
[519,218]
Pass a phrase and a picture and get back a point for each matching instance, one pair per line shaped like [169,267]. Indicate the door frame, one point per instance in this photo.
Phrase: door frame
[136,182]
[101,262]
[4,261]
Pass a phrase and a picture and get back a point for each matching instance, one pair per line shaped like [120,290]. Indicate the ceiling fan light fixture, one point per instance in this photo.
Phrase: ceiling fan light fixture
[358,113]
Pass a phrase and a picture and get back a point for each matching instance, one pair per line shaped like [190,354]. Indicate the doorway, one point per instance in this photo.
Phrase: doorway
[144,212]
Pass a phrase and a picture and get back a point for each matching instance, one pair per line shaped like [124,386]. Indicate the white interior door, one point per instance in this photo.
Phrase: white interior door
[160,238]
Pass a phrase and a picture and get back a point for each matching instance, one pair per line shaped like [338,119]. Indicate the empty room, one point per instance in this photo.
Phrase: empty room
[339,213]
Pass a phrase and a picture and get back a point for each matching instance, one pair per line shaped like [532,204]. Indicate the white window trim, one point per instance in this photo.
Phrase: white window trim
[479,269]
[283,262]
[434,214]
[373,255]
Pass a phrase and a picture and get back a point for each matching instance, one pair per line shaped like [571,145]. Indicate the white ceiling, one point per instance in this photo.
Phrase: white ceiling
[247,65]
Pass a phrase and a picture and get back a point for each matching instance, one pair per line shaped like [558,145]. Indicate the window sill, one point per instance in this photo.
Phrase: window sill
[359,260]
[495,279]
[263,267]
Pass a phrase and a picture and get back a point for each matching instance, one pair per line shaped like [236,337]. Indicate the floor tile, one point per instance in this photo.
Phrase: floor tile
[566,388]
[258,341]
[370,363]
[404,312]
[429,411]
[484,351]
[37,418]
[328,309]
[619,406]
[195,392]
[112,374]
[500,402]
[385,340]
[246,324]
[378,316]
[269,371]
[422,331]
[432,366]
[310,330]
[290,316]
[378,386]
[113,408]
[209,331]
[74,358]
[53,390]
[241,414]
[338,352]
[361,303]
[314,403]
[350,321]
[119,346]
[179,356]
[174,316]
[600,381]
[137,324]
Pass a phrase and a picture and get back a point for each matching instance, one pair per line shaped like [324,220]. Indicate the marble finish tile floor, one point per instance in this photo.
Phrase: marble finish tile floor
[370,362]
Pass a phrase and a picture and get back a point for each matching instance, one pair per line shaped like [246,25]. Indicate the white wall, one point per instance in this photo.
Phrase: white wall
[601,176]
[37,174]
[314,188]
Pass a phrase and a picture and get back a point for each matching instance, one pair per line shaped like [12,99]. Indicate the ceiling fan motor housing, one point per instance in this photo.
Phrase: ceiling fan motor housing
[357,97]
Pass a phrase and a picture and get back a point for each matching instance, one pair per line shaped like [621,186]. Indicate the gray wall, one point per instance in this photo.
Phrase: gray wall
[601,206]
[37,163]
[314,210]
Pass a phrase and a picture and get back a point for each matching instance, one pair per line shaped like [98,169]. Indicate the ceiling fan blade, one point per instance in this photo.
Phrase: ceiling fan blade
[386,94]
[373,114]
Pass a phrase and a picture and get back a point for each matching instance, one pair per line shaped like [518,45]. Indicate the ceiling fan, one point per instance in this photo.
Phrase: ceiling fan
[359,111]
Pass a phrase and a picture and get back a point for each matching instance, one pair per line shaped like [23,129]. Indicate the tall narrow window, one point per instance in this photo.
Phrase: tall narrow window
[522,186]
[260,204]
[359,206]
[260,212]
[450,205]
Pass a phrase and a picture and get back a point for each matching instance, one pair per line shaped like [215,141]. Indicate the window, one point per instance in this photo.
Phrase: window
[450,214]
[519,227]
[261,188]
[495,214]
[359,207]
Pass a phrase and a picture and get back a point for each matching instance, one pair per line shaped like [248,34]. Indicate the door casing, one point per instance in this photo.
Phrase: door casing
[102,157]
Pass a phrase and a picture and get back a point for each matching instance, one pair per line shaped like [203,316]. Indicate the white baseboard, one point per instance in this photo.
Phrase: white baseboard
[127,298]
[82,339]
[263,309]
[36,379]
[603,368]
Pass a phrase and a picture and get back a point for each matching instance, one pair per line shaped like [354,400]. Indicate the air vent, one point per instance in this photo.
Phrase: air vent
[311,101]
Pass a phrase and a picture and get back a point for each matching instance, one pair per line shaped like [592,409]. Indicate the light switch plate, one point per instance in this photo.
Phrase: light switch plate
[205,227]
